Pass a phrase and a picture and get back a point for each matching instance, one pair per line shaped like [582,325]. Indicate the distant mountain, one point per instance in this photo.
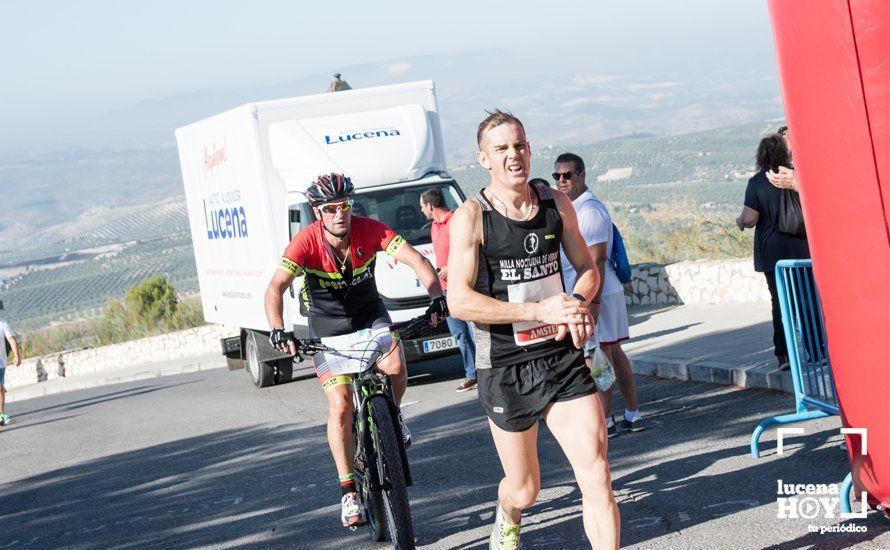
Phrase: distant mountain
[133,159]
[72,267]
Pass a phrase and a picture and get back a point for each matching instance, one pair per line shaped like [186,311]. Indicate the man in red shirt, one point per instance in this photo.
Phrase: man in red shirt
[337,254]
[432,204]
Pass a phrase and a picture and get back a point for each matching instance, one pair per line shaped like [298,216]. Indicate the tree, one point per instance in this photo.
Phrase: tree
[151,302]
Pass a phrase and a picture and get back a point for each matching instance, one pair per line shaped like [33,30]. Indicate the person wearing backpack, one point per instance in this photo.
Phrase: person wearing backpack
[608,306]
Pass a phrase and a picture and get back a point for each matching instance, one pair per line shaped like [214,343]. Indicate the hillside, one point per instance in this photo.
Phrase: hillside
[70,269]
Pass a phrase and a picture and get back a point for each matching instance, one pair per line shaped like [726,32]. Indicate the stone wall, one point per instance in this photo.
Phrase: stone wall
[173,345]
[696,282]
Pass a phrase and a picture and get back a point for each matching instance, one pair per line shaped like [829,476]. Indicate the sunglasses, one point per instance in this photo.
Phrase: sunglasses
[332,207]
[567,175]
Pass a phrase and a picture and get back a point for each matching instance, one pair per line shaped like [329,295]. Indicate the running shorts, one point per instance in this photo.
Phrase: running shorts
[514,397]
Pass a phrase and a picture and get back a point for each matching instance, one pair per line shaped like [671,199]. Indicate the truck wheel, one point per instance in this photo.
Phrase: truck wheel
[284,371]
[262,373]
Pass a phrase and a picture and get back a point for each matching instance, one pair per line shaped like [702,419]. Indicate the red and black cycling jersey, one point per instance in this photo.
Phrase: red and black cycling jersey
[330,290]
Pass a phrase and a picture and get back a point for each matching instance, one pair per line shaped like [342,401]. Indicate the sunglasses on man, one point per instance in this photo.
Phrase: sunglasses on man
[332,207]
[560,175]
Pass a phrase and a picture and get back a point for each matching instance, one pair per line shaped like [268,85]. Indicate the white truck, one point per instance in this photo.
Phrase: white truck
[245,171]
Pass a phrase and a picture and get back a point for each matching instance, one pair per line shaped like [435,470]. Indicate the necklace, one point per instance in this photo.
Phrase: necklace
[527,217]
[343,261]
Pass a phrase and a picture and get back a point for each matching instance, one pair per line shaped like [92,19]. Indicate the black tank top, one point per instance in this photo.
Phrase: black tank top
[519,262]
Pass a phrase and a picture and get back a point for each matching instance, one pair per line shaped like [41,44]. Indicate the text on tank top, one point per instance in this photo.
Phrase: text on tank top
[519,262]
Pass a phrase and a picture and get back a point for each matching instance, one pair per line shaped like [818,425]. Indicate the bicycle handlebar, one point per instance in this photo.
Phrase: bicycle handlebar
[311,346]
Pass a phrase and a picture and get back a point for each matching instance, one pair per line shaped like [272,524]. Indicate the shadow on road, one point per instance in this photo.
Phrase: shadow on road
[275,485]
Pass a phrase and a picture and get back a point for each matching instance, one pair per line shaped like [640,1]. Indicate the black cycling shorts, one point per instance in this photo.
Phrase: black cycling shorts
[515,397]
[320,327]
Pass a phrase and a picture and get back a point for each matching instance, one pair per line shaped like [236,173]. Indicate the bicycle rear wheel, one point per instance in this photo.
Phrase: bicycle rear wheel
[392,475]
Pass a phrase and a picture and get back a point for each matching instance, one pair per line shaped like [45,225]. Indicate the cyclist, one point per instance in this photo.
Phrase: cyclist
[504,276]
[339,296]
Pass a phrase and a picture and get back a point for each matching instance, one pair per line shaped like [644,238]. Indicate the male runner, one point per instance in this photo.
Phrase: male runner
[339,296]
[505,277]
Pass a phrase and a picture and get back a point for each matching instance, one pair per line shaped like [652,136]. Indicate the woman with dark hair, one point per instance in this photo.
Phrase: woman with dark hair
[761,211]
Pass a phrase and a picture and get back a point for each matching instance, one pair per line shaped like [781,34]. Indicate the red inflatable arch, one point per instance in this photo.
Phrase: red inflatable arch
[834,63]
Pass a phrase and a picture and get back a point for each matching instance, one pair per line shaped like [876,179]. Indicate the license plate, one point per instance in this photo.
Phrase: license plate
[439,344]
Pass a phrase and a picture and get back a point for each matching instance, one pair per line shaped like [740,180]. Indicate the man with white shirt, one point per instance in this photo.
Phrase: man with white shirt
[6,332]
[608,306]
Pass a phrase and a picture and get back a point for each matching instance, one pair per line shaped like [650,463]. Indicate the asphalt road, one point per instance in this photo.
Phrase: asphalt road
[206,460]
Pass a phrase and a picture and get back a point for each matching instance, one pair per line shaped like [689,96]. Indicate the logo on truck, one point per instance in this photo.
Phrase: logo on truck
[214,156]
[224,216]
[371,133]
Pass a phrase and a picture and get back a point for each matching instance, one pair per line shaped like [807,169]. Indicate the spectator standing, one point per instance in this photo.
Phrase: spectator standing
[761,211]
[608,306]
[14,345]
[432,204]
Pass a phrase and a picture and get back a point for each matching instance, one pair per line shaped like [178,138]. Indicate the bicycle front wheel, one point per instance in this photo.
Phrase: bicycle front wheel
[392,474]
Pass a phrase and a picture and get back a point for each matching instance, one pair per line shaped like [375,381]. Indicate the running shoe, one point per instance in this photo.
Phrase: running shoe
[505,535]
[350,511]
[406,433]
[466,385]
[5,419]
[636,426]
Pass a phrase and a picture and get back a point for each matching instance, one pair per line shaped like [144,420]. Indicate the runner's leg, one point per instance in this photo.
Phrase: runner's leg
[518,452]
[579,427]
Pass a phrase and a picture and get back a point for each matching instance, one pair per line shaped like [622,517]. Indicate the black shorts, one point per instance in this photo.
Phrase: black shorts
[514,397]
[321,327]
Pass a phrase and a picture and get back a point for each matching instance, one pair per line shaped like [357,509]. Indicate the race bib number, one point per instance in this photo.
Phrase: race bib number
[527,333]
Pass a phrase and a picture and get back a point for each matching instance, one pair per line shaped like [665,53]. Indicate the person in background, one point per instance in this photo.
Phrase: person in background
[783,177]
[432,204]
[539,181]
[761,211]
[608,306]
[16,359]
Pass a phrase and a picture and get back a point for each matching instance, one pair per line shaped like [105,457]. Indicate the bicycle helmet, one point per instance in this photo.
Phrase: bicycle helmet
[329,188]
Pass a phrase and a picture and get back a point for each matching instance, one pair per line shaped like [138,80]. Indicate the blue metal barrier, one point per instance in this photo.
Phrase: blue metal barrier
[814,391]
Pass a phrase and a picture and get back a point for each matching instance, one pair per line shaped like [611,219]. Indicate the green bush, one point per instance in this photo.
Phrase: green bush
[682,229]
[149,308]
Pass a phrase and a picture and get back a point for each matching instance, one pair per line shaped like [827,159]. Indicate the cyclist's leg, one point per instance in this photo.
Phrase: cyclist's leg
[578,426]
[393,365]
[338,390]
[518,452]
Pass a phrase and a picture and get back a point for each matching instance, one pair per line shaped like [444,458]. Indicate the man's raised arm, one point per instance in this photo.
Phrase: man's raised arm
[425,271]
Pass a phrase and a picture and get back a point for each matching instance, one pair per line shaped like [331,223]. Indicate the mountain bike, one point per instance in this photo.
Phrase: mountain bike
[382,473]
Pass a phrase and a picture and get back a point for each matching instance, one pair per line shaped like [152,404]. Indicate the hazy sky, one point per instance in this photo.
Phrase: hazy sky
[64,60]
